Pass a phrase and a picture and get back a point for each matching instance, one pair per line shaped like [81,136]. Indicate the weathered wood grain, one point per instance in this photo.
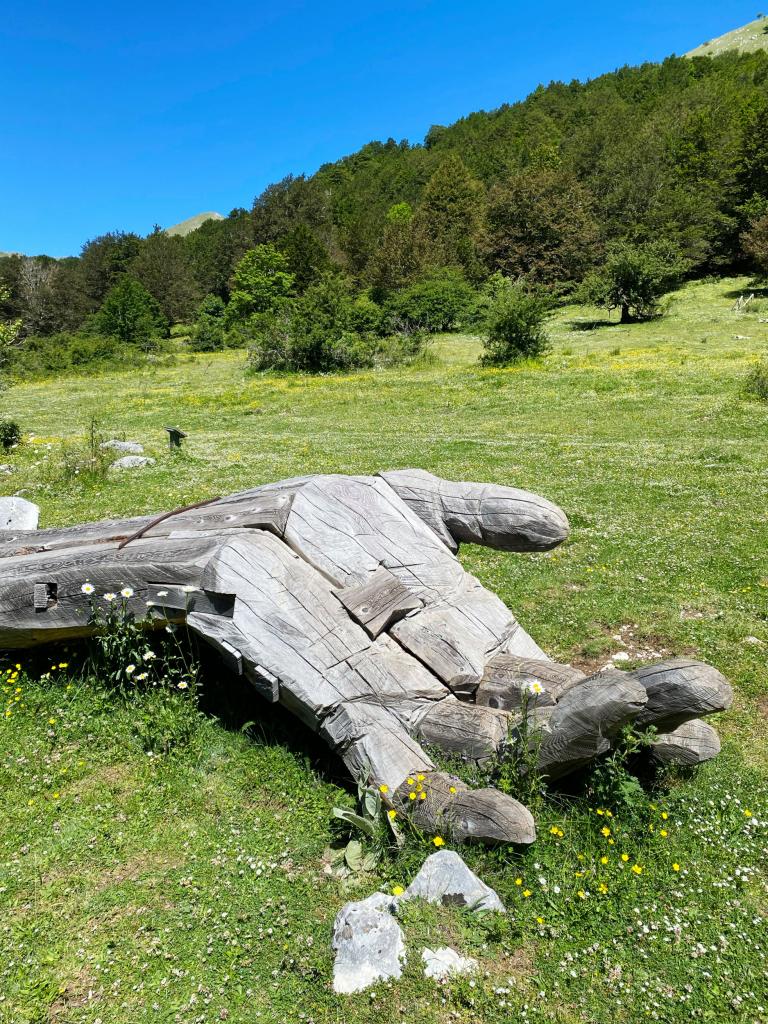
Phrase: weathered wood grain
[689,744]
[457,813]
[585,720]
[378,602]
[509,680]
[680,689]
[498,517]
[461,728]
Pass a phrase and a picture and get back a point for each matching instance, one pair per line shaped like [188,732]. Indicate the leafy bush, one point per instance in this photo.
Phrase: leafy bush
[261,281]
[634,278]
[756,384]
[208,334]
[438,303]
[10,434]
[514,323]
[76,353]
[130,314]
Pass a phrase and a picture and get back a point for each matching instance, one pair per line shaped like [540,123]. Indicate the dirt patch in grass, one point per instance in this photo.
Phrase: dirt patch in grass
[627,645]
[75,993]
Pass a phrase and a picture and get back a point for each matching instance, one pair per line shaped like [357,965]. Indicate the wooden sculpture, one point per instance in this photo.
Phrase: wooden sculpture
[343,599]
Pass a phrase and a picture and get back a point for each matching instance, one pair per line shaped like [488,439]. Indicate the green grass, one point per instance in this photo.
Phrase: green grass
[753,36]
[191,886]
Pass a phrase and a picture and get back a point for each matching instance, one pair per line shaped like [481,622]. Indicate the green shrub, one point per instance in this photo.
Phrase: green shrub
[439,303]
[130,314]
[756,384]
[313,334]
[208,334]
[10,434]
[325,330]
[63,353]
[515,324]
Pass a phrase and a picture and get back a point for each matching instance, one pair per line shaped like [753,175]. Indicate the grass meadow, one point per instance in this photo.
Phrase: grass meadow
[164,858]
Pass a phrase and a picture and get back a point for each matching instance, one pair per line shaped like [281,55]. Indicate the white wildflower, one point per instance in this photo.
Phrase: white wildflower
[88,588]
[126,592]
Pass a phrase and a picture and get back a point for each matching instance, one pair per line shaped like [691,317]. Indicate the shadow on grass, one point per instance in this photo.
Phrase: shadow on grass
[590,325]
[759,288]
[238,707]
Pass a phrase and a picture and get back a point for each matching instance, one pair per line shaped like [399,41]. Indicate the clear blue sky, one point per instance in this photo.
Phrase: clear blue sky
[126,115]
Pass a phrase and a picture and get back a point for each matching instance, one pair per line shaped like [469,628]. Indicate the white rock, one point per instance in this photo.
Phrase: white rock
[6,468]
[131,447]
[747,639]
[443,962]
[18,514]
[368,942]
[445,878]
[620,656]
[132,462]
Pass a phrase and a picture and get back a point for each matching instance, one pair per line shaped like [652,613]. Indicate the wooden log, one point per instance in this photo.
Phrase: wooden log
[378,602]
[145,567]
[457,813]
[499,517]
[581,725]
[509,680]
[689,744]
[460,728]
[680,689]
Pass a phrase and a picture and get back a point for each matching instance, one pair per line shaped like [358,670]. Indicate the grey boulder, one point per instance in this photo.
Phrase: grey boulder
[129,447]
[132,462]
[18,514]
[368,942]
[443,962]
[445,878]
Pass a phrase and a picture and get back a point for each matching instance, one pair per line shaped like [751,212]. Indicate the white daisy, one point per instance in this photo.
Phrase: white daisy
[535,687]
[130,669]
[126,592]
[88,588]
[149,655]
[183,685]
[110,596]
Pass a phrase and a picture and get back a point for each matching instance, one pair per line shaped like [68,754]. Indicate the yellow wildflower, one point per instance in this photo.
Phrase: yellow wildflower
[605,831]
[392,815]
[384,788]
[675,867]
[438,841]
[625,857]
[637,869]
[518,881]
[397,890]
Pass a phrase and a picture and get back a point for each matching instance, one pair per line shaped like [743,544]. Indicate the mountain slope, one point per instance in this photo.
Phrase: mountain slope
[753,36]
[185,227]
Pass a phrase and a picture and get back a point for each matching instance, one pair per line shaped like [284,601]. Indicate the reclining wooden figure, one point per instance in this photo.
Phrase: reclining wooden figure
[342,598]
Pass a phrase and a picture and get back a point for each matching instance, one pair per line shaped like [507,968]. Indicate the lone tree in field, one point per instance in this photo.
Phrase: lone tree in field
[634,278]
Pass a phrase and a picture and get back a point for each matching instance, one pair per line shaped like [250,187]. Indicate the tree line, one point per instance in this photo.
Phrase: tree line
[666,164]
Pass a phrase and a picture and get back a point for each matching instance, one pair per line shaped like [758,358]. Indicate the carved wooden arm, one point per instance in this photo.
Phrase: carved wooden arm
[342,598]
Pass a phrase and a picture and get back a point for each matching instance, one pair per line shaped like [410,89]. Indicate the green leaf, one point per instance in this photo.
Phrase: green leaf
[354,819]
[353,855]
[372,803]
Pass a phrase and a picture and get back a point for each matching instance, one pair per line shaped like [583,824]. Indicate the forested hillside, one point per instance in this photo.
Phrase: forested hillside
[676,151]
